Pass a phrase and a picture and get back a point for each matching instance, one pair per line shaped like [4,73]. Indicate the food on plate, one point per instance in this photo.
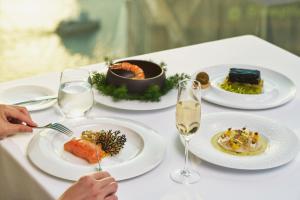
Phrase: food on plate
[152,94]
[203,78]
[240,142]
[140,80]
[84,149]
[111,141]
[93,146]
[135,72]
[243,81]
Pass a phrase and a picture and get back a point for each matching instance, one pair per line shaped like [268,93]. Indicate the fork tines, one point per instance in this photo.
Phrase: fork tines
[61,128]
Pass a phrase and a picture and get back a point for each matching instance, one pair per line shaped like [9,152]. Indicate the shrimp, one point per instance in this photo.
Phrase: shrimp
[136,70]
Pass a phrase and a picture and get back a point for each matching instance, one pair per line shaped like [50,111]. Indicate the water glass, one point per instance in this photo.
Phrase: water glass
[75,96]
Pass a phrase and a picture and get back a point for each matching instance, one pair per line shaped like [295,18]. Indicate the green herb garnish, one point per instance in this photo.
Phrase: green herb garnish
[153,93]
[242,88]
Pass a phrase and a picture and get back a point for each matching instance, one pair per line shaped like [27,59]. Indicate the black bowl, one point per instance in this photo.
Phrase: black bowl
[154,75]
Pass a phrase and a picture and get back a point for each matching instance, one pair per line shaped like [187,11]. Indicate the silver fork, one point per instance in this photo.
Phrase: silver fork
[58,127]
[99,168]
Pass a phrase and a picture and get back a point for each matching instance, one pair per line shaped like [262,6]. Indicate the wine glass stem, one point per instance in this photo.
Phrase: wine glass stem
[186,161]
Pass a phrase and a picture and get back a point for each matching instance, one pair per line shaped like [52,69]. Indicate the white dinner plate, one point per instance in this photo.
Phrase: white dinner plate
[143,150]
[27,92]
[283,144]
[278,89]
[166,101]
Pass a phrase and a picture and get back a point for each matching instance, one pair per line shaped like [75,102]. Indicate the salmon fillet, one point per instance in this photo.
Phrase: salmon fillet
[85,149]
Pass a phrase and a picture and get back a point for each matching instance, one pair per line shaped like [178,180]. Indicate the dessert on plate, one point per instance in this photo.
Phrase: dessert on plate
[243,81]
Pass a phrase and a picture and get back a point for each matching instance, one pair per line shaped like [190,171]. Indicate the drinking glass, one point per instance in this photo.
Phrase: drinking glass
[75,95]
[188,114]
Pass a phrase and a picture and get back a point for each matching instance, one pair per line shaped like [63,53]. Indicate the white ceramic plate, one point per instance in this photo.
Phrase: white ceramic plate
[143,150]
[278,89]
[283,144]
[28,92]
[166,101]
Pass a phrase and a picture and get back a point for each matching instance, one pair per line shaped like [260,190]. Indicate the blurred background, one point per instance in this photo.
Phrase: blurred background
[39,36]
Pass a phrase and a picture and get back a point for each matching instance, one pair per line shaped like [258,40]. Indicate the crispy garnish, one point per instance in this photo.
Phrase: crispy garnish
[111,141]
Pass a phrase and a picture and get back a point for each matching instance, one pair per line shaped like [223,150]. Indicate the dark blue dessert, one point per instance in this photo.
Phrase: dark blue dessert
[244,76]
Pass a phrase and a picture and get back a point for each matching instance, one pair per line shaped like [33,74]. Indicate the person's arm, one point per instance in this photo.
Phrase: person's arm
[14,119]
[97,186]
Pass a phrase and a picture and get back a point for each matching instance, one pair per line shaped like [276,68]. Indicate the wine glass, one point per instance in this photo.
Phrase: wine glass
[75,95]
[188,114]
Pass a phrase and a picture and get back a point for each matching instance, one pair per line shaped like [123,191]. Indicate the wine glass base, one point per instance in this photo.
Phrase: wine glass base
[185,176]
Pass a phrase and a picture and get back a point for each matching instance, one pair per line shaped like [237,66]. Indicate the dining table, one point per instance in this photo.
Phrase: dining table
[21,179]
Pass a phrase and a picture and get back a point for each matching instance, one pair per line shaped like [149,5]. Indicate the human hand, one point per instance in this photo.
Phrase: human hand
[14,119]
[97,186]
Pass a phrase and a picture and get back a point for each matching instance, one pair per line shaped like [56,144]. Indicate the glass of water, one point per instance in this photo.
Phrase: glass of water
[75,96]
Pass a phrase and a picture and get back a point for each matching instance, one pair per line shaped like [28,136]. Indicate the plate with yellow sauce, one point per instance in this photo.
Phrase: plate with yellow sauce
[253,142]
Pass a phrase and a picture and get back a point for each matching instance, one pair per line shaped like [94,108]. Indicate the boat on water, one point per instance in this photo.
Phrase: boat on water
[77,26]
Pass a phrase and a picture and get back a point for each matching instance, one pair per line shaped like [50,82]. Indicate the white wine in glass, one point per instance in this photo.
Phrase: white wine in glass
[188,115]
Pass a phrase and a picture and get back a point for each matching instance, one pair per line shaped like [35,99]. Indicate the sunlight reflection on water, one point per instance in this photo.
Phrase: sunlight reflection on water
[29,44]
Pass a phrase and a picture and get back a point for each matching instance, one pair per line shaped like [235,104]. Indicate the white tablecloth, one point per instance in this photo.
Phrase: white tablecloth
[22,180]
